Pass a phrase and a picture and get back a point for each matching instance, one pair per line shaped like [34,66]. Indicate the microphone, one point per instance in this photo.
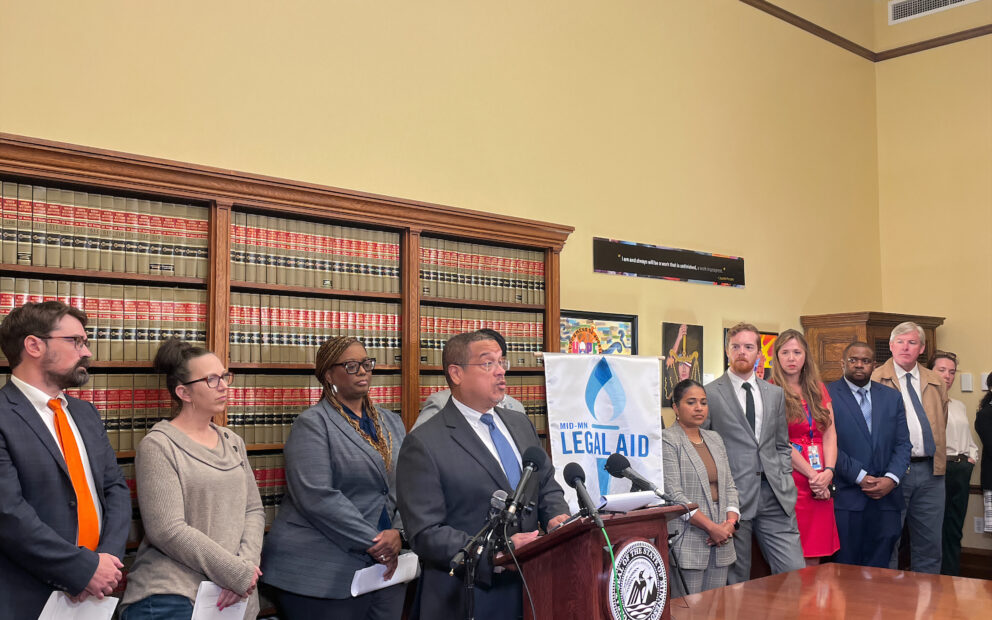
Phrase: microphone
[533,459]
[576,478]
[497,503]
[619,467]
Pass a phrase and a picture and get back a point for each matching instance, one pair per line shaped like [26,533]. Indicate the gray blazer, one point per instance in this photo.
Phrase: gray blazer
[750,456]
[686,481]
[337,485]
[437,400]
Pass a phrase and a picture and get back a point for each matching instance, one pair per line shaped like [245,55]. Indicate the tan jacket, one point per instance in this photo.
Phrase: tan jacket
[934,399]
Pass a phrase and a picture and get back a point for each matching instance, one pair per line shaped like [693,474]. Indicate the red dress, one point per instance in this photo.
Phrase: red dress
[817,524]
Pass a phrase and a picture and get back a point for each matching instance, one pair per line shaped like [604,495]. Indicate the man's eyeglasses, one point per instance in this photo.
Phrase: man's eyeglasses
[352,367]
[490,365]
[865,361]
[78,341]
[213,381]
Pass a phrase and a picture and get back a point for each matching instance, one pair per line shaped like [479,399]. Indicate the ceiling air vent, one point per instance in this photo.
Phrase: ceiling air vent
[903,10]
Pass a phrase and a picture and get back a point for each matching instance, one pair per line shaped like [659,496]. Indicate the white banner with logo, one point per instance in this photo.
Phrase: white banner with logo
[599,405]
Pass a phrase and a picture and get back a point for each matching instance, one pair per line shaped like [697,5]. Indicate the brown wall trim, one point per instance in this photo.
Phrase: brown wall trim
[956,37]
[810,27]
[864,52]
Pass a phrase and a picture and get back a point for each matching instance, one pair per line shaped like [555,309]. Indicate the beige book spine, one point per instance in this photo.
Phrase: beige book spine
[39,226]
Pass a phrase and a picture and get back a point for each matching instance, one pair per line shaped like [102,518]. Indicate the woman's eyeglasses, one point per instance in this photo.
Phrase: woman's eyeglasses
[213,381]
[352,367]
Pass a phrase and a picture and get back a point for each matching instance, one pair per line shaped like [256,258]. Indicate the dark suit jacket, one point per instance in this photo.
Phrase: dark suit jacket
[885,450]
[38,522]
[445,479]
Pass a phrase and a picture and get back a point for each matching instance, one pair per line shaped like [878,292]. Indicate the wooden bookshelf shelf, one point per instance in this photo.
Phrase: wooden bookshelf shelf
[288,366]
[475,303]
[101,276]
[5,367]
[313,292]
[259,447]
[125,454]
[512,370]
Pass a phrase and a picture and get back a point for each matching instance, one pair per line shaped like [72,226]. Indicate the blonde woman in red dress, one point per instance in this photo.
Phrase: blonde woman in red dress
[814,444]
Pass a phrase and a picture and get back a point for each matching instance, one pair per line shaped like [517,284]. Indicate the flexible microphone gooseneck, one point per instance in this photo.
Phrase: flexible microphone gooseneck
[619,467]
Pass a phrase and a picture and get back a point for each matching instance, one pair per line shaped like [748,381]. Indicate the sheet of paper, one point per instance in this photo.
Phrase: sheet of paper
[625,502]
[370,579]
[59,607]
[205,606]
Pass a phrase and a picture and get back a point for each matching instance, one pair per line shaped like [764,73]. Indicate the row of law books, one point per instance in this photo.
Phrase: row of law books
[274,250]
[262,408]
[523,331]
[473,271]
[529,390]
[125,322]
[51,227]
[270,475]
[279,329]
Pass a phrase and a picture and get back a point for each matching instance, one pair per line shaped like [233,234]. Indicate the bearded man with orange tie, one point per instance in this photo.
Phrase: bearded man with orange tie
[64,506]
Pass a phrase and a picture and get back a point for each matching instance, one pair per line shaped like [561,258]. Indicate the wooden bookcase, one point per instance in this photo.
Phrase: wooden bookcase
[224,192]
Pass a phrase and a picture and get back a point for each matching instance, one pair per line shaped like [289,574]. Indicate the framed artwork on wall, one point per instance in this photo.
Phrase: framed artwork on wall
[683,348]
[592,333]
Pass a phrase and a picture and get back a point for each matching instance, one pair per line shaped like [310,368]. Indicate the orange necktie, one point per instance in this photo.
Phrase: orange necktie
[89,525]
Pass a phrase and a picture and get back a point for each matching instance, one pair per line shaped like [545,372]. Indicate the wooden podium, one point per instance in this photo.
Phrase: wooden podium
[569,570]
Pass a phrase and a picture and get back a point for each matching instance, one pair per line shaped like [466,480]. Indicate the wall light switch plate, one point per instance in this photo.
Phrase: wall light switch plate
[707,378]
[966,384]
[985,382]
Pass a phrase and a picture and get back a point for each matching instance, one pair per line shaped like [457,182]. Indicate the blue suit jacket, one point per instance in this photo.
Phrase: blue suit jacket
[38,552]
[885,449]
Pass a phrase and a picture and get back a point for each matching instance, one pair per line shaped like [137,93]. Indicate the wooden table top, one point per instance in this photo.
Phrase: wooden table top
[843,591]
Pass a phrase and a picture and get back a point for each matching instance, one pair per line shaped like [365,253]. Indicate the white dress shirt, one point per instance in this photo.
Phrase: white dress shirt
[738,384]
[959,439]
[474,419]
[912,420]
[39,400]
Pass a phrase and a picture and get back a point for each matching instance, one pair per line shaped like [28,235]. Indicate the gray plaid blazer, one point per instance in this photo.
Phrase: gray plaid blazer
[686,481]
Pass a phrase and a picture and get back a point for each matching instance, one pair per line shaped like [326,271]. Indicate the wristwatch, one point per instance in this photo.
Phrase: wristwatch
[737,525]
[834,471]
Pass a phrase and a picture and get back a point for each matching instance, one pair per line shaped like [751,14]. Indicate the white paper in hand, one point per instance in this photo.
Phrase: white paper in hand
[205,607]
[59,607]
[370,579]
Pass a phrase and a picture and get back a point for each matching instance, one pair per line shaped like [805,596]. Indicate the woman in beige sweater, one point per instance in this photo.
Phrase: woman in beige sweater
[199,504]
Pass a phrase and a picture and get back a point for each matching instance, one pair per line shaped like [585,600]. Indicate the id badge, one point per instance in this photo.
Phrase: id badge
[813,453]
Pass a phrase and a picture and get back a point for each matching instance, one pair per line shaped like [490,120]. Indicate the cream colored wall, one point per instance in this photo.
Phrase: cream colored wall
[929,26]
[852,19]
[935,201]
[707,126]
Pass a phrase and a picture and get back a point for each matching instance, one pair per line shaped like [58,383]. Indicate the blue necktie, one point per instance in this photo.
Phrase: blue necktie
[929,447]
[505,451]
[865,407]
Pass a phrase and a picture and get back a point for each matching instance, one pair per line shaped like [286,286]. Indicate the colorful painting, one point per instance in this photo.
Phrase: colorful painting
[763,365]
[593,333]
[683,347]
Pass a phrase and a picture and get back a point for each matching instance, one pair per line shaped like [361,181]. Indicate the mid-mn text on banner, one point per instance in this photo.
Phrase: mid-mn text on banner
[599,405]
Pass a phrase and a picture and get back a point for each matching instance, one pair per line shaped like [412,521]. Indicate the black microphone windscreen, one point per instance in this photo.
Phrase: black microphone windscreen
[535,456]
[616,464]
[573,472]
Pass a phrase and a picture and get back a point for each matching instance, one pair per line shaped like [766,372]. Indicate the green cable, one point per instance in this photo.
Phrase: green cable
[616,580]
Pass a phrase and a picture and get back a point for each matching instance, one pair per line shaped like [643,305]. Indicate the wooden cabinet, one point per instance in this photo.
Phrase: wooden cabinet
[829,334]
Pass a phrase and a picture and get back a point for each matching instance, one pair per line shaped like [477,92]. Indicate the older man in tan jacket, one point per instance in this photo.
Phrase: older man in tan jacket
[925,398]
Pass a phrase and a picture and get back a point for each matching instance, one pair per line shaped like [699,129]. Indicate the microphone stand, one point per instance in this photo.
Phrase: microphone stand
[482,544]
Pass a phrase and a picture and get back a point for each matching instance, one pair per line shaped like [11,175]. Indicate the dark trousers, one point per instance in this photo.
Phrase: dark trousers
[956,483]
[867,536]
[385,604]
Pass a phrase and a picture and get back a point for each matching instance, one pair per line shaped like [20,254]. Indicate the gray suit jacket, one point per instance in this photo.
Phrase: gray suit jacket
[38,522]
[750,456]
[437,400]
[446,477]
[336,488]
[686,481]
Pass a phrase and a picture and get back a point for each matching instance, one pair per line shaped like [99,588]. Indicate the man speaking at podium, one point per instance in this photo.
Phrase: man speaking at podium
[447,472]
